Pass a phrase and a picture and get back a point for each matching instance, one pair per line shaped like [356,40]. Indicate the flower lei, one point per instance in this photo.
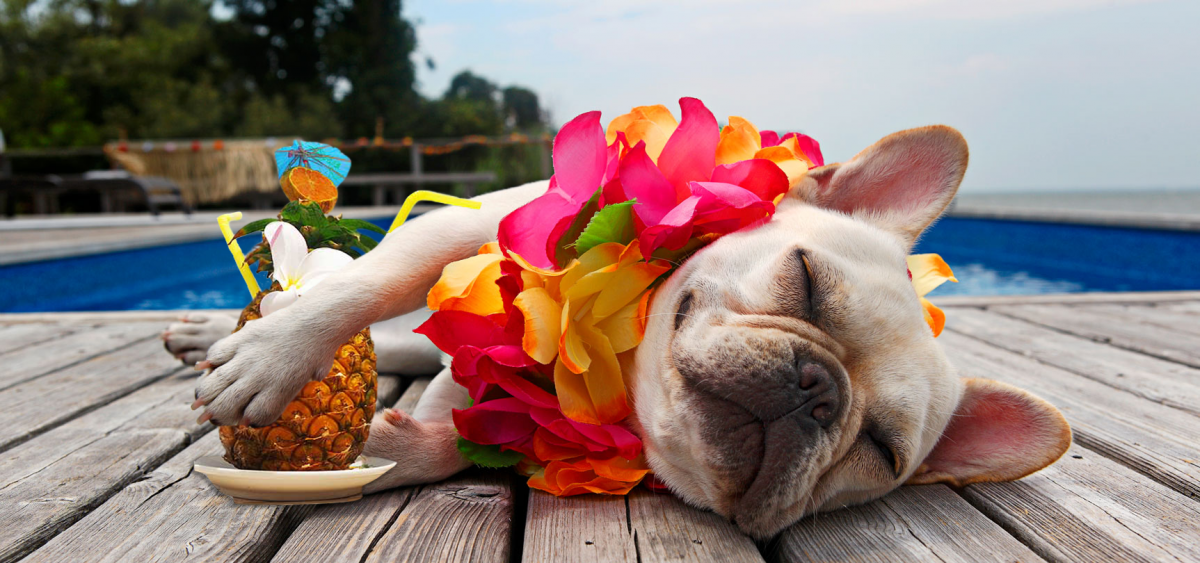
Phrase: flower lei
[542,324]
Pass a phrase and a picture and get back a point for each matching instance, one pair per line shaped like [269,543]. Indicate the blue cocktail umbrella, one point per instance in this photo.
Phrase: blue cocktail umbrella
[317,156]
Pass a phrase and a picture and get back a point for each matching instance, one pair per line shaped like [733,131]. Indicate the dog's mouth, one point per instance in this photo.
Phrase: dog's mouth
[770,402]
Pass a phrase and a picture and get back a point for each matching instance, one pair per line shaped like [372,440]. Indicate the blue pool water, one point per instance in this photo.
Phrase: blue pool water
[989,258]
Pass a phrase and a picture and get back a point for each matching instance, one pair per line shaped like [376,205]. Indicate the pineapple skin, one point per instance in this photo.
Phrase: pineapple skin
[325,427]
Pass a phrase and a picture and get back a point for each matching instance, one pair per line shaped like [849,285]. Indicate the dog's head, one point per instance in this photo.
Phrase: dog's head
[788,369]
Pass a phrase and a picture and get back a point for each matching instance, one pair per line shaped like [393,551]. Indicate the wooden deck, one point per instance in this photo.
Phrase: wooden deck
[98,444]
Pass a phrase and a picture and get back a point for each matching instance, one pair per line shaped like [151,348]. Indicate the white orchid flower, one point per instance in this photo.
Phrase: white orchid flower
[296,269]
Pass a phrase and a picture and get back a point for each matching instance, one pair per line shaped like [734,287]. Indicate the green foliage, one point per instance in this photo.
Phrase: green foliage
[565,251]
[82,72]
[614,223]
[319,230]
[488,456]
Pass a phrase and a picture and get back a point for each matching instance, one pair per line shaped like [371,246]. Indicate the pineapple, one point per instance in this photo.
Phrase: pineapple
[325,427]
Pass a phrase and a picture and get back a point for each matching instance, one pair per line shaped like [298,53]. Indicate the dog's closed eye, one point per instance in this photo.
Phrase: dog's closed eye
[796,287]
[681,312]
[885,451]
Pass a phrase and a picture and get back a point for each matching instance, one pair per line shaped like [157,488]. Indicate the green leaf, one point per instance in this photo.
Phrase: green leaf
[614,223]
[565,250]
[254,227]
[367,243]
[360,224]
[488,456]
[311,215]
[291,213]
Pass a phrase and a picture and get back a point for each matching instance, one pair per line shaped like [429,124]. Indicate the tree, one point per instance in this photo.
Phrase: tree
[521,109]
[370,53]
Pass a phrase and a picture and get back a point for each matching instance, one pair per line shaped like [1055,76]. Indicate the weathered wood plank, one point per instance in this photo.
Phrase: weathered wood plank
[349,531]
[579,529]
[174,514]
[1068,298]
[80,388]
[35,361]
[1150,313]
[1154,439]
[412,394]
[466,518]
[1123,331]
[48,483]
[1161,381]
[18,336]
[927,523]
[666,529]
[388,388]
[343,532]
[1090,509]
[1191,308]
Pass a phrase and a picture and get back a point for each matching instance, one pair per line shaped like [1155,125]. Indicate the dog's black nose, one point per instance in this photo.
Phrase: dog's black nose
[818,394]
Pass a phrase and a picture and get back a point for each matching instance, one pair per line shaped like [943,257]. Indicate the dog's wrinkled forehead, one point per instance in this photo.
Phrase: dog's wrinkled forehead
[857,271]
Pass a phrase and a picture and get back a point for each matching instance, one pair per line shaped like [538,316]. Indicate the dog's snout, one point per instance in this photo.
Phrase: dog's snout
[819,393]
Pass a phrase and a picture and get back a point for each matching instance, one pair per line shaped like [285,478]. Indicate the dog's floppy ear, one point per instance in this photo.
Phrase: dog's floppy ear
[901,183]
[998,433]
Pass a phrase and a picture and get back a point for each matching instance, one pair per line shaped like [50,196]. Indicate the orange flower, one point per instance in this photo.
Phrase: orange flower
[928,271]
[469,285]
[612,476]
[652,124]
[740,140]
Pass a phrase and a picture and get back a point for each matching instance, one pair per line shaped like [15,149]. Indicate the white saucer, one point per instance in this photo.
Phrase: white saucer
[291,487]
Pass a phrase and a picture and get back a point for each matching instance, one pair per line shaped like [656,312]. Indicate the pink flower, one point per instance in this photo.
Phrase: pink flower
[580,158]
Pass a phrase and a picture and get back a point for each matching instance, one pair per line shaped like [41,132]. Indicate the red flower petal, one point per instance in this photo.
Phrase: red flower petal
[758,175]
[673,230]
[643,181]
[448,330]
[495,422]
[691,152]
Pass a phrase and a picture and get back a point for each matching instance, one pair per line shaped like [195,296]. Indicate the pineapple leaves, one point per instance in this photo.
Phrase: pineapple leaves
[488,456]
[319,231]
[360,224]
[253,227]
[614,223]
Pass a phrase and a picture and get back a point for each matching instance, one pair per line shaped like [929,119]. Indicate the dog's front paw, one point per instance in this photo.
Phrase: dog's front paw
[424,452]
[189,339]
[258,370]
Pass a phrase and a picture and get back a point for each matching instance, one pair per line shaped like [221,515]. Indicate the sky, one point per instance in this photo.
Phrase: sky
[1050,94]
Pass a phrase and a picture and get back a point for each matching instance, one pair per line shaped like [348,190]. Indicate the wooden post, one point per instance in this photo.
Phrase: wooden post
[416,159]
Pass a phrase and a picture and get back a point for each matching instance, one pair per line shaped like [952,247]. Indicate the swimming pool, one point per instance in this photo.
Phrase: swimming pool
[989,257]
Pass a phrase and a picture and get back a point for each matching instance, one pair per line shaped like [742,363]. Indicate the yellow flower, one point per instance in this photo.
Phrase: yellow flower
[928,271]
[604,295]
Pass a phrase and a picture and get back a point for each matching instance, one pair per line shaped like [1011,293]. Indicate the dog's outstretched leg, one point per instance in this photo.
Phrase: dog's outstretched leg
[189,338]
[397,348]
[423,444]
[258,370]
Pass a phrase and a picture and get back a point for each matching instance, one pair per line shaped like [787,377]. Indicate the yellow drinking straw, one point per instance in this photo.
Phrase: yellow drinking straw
[423,195]
[236,251]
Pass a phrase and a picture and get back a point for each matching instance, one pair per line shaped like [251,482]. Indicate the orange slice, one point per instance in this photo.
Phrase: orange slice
[305,184]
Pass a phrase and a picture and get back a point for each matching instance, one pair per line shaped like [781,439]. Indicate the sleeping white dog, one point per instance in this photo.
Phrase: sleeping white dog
[786,369]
